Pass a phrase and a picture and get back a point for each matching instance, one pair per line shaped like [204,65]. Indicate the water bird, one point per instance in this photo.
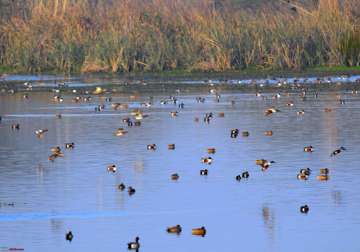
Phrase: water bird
[271,111]
[181,105]
[238,177]
[69,236]
[290,104]
[120,132]
[207,160]
[117,106]
[69,145]
[40,132]
[328,110]
[234,133]
[268,133]
[55,149]
[324,171]
[305,171]
[211,150]
[199,231]
[204,172]
[121,187]
[111,168]
[15,126]
[151,147]
[300,112]
[264,164]
[322,177]
[174,230]
[309,148]
[221,114]
[302,176]
[174,113]
[131,190]
[171,146]
[98,90]
[304,209]
[337,151]
[134,245]
[245,174]
[245,133]
[58,116]
[175,176]
[58,98]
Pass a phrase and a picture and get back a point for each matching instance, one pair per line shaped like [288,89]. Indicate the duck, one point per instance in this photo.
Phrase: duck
[337,151]
[171,146]
[55,149]
[302,176]
[174,230]
[112,168]
[290,104]
[271,111]
[238,177]
[324,171]
[134,245]
[204,172]
[322,177]
[98,90]
[181,105]
[131,190]
[207,160]
[175,176]
[211,150]
[245,174]
[121,187]
[305,171]
[234,133]
[69,145]
[245,133]
[264,164]
[40,132]
[58,98]
[58,116]
[309,149]
[117,106]
[120,132]
[221,114]
[304,209]
[300,112]
[15,126]
[53,156]
[268,133]
[174,113]
[151,147]
[199,231]
[69,236]
[327,110]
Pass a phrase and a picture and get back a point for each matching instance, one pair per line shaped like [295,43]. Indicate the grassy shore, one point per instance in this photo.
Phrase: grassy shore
[175,37]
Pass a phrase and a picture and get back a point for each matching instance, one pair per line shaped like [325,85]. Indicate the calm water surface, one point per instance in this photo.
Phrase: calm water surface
[259,214]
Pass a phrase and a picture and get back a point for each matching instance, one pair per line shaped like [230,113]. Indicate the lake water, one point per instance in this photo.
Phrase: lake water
[77,193]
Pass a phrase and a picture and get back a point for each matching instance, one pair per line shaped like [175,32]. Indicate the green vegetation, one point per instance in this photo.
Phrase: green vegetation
[178,36]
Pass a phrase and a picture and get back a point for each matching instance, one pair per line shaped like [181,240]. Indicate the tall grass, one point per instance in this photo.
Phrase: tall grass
[158,35]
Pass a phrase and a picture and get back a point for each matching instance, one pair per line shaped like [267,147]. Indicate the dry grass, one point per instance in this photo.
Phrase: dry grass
[157,35]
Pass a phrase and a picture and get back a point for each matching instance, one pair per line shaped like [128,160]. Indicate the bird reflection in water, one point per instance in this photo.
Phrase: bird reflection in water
[269,221]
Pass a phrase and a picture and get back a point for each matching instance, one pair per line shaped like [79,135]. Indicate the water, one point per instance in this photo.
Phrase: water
[259,214]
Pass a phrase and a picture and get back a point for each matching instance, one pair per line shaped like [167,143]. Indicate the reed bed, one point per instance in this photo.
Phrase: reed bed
[161,35]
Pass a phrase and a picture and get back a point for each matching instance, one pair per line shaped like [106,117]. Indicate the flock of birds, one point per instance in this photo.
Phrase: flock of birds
[135,119]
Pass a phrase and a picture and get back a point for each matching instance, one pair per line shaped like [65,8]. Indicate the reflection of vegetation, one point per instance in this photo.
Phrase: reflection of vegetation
[158,35]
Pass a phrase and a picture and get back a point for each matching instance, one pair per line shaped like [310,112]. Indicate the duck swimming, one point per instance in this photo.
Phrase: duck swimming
[69,145]
[304,209]
[271,111]
[174,113]
[69,236]
[221,114]
[238,177]
[171,146]
[309,149]
[302,176]
[305,171]
[199,231]
[120,132]
[268,133]
[175,176]
[151,147]
[234,133]
[245,174]
[337,151]
[131,190]
[15,126]
[174,230]
[112,168]
[264,164]
[324,171]
[134,245]
[211,150]
[204,172]
[121,187]
[245,133]
[40,132]
[207,160]
[301,112]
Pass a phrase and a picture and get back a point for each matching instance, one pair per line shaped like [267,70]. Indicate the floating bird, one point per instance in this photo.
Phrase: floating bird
[204,172]
[174,230]
[301,112]
[238,177]
[304,209]
[121,187]
[305,171]
[174,113]
[264,163]
[328,110]
[131,190]
[245,133]
[211,150]
[151,147]
[175,176]
[120,132]
[199,231]
[245,174]
[69,236]
[322,177]
[234,133]
[40,132]
[324,171]
[15,126]
[207,160]
[69,145]
[308,149]
[337,151]
[268,133]
[302,176]
[112,168]
[271,111]
[171,146]
[221,114]
[134,245]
